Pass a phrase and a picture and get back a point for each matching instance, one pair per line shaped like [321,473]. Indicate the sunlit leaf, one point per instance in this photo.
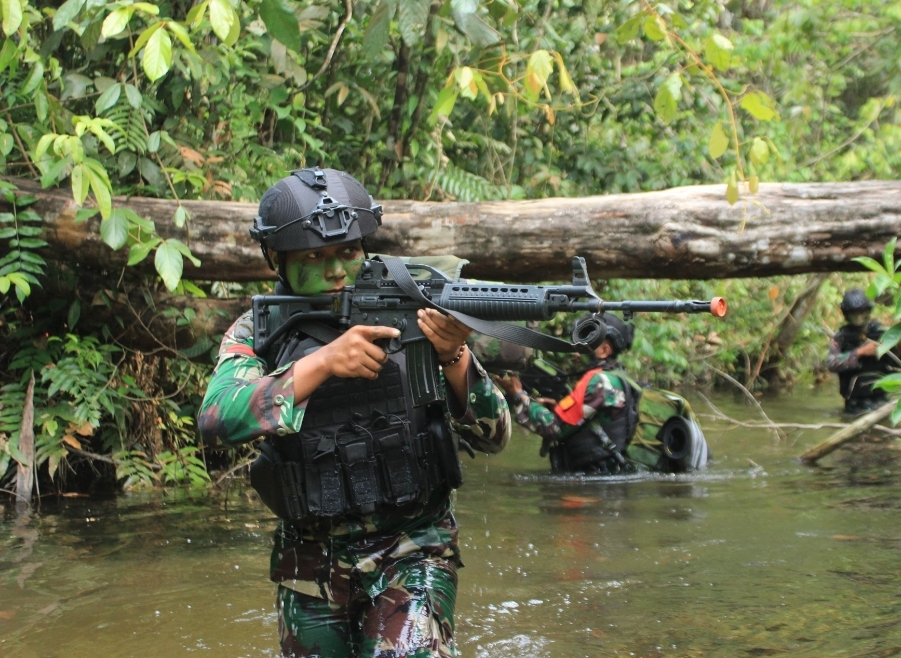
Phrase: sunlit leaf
[760,152]
[169,263]
[157,55]
[12,15]
[225,21]
[667,98]
[654,28]
[114,229]
[718,142]
[116,21]
[758,105]
[718,52]
[628,30]
[108,98]
[444,105]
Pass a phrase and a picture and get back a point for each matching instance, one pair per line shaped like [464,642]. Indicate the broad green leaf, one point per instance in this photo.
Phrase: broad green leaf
[667,98]
[889,339]
[144,37]
[718,142]
[760,152]
[628,30]
[6,144]
[34,79]
[654,28]
[758,105]
[444,105]
[4,284]
[480,33]
[108,99]
[538,70]
[181,34]
[888,255]
[224,21]
[281,23]
[79,184]
[114,229]
[153,142]
[169,263]
[180,216]
[732,190]
[116,21]
[7,53]
[378,30]
[566,82]
[157,55]
[138,252]
[196,14]
[890,382]
[719,52]
[133,95]
[870,264]
[754,184]
[12,15]
[101,192]
[67,12]
[184,251]
[412,16]
[43,144]
[147,8]
[896,414]
[19,280]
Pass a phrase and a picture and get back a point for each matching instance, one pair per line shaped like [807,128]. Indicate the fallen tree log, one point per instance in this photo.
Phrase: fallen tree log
[850,432]
[689,232]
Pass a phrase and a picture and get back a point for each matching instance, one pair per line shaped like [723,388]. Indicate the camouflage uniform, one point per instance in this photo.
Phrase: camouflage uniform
[375,585]
[605,401]
[858,374]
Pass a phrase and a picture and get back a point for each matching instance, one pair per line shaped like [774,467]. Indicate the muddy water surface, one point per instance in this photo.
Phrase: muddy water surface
[758,556]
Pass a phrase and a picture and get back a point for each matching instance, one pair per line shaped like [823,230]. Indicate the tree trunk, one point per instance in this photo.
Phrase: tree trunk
[683,233]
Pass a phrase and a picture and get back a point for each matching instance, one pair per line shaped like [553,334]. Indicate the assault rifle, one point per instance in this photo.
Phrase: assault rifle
[386,293]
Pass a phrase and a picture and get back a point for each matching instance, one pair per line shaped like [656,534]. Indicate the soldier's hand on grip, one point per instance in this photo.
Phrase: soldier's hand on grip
[355,354]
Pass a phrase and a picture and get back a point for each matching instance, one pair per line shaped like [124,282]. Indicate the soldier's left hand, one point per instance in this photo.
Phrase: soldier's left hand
[447,334]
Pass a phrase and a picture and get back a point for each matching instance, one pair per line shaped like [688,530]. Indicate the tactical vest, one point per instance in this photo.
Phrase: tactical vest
[589,447]
[363,448]
[858,384]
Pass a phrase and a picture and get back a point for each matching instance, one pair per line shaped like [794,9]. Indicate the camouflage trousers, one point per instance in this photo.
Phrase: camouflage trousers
[413,617]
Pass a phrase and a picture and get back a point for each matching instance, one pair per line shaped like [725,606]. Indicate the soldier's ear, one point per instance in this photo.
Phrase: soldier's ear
[273,257]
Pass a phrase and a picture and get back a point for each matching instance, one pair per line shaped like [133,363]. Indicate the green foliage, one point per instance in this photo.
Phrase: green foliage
[888,281]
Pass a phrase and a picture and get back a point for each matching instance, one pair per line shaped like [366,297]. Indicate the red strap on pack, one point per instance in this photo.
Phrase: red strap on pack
[571,409]
[246,350]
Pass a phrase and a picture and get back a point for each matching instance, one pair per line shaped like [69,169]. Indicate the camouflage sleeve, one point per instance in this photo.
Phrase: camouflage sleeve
[485,422]
[604,394]
[244,402]
[839,361]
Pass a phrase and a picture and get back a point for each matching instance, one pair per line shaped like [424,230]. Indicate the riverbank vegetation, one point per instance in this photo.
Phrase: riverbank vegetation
[453,100]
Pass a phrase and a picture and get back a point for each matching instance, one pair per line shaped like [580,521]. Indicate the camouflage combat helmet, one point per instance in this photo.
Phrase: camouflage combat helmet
[855,301]
[314,208]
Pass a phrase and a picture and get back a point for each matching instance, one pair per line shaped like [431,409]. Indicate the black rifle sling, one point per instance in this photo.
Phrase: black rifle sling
[511,333]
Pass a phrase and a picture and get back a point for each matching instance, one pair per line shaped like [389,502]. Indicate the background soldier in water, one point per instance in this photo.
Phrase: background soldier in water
[853,355]
[366,553]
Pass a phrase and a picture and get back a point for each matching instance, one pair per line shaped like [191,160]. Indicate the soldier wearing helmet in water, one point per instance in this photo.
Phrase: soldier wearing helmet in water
[853,355]
[366,552]
[589,430]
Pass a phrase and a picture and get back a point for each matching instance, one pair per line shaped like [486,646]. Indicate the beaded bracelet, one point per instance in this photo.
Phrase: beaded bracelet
[445,364]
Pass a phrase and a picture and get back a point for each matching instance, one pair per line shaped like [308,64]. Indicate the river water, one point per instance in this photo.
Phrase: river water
[757,556]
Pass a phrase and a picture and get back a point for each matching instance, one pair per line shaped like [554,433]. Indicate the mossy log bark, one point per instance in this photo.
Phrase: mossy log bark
[683,233]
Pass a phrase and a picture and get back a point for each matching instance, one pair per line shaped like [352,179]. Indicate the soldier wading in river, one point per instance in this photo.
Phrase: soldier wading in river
[852,354]
[366,553]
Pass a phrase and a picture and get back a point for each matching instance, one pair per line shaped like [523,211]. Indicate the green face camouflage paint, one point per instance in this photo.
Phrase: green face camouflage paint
[319,271]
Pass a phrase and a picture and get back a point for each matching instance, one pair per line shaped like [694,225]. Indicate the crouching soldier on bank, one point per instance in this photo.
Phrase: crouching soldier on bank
[366,552]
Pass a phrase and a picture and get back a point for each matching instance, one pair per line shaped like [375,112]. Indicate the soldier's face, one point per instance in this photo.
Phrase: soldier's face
[859,318]
[323,270]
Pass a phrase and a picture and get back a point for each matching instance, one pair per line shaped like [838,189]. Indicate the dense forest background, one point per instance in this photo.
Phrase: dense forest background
[420,99]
